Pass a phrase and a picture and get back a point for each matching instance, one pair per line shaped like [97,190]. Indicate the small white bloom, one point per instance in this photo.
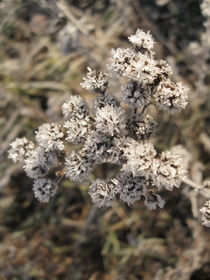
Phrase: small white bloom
[75,108]
[95,81]
[103,192]
[110,120]
[44,189]
[20,149]
[140,126]
[77,130]
[142,40]
[39,163]
[171,97]
[131,188]
[50,136]
[152,201]
[78,167]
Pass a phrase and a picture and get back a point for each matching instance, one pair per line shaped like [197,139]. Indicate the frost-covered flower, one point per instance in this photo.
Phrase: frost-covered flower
[142,40]
[20,149]
[78,166]
[135,94]
[77,130]
[44,189]
[103,192]
[168,171]
[152,201]
[205,210]
[171,97]
[140,126]
[75,108]
[104,100]
[39,163]
[95,81]
[110,120]
[131,188]
[50,136]
[139,156]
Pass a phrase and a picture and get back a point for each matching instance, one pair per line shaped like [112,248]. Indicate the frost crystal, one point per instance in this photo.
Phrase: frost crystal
[103,192]
[50,136]
[95,81]
[103,100]
[44,189]
[152,201]
[20,149]
[142,40]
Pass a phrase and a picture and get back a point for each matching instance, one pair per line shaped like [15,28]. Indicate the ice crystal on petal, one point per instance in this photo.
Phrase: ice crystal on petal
[20,149]
[104,100]
[95,81]
[131,188]
[103,192]
[75,108]
[44,189]
[110,120]
[50,136]
[142,40]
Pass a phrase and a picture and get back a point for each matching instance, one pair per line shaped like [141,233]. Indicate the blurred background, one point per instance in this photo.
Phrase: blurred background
[45,48]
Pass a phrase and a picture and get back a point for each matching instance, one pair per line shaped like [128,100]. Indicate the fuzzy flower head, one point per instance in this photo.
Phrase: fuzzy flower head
[78,167]
[141,127]
[39,163]
[142,40]
[135,94]
[77,130]
[103,100]
[103,192]
[171,97]
[20,149]
[110,120]
[95,81]
[131,188]
[205,210]
[50,136]
[169,171]
[44,189]
[75,108]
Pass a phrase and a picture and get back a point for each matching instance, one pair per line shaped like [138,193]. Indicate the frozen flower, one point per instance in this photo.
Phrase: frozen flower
[78,167]
[142,40]
[131,188]
[103,192]
[140,126]
[101,148]
[95,81]
[20,149]
[44,189]
[39,163]
[50,136]
[135,94]
[110,120]
[171,97]
[75,108]
[205,210]
[152,201]
[103,100]
[168,171]
[139,156]
[77,130]
[163,70]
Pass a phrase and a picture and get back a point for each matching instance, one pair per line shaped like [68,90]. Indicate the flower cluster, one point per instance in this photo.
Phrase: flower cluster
[111,132]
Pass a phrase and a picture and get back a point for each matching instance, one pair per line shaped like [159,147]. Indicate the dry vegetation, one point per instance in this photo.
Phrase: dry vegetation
[45,47]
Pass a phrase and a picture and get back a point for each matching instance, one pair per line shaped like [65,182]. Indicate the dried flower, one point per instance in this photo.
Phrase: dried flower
[142,40]
[20,149]
[104,100]
[75,108]
[205,210]
[44,189]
